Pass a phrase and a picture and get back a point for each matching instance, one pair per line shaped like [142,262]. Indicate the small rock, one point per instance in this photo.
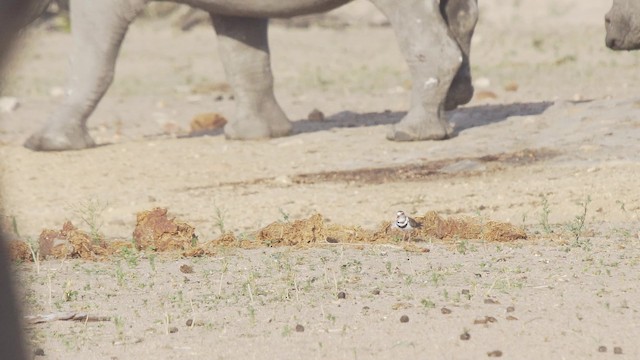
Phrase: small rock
[465,336]
[617,350]
[8,104]
[463,166]
[186,269]
[511,318]
[56,91]
[316,115]
[342,295]
[404,319]
[512,86]
[491,301]
[445,311]
[375,291]
[299,328]
[207,122]
[485,94]
[173,330]
[494,353]
[482,82]
[465,292]
[602,348]
[511,309]
[38,352]
[283,179]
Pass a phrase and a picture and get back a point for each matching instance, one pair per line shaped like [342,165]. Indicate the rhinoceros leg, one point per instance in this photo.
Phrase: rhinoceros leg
[461,16]
[433,57]
[98,27]
[244,50]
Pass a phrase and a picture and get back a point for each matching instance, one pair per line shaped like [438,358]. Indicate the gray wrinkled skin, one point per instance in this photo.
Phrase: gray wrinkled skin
[433,35]
[622,23]
[14,14]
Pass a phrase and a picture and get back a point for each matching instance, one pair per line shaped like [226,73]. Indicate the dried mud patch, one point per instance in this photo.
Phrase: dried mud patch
[156,231]
[438,168]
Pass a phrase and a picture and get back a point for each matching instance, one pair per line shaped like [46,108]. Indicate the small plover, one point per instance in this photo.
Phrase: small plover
[405,223]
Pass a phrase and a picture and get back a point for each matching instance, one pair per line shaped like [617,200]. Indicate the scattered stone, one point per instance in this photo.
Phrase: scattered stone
[465,336]
[482,82]
[299,328]
[511,318]
[186,269]
[404,319]
[207,122]
[512,86]
[173,330]
[485,320]
[491,301]
[465,292]
[494,353]
[38,352]
[375,291]
[316,115]
[445,311]
[8,104]
[602,348]
[511,309]
[342,295]
[617,350]
[57,91]
[485,94]
[190,322]
[462,166]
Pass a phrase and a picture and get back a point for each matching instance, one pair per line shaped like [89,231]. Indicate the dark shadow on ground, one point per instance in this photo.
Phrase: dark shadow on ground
[464,118]
[481,115]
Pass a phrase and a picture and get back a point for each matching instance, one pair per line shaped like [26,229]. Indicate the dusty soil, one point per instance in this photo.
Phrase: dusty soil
[551,139]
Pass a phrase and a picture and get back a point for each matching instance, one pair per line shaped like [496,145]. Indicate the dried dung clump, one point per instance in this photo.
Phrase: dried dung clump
[207,122]
[19,250]
[154,230]
[69,242]
[434,226]
[300,232]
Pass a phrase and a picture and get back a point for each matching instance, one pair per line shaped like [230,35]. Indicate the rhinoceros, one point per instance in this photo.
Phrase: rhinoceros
[434,37]
[622,23]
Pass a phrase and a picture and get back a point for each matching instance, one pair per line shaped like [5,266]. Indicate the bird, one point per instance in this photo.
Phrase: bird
[405,223]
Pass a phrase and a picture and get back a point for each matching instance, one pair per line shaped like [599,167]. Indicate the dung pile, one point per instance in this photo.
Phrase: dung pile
[156,231]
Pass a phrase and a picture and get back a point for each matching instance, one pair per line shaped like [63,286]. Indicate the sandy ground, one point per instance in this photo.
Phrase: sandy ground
[545,84]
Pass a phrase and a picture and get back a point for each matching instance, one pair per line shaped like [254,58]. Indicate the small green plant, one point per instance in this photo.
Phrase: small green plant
[119,324]
[130,255]
[119,274]
[577,225]
[462,246]
[544,215]
[437,277]
[284,214]
[90,212]
[428,304]
[152,261]
[69,294]
[219,219]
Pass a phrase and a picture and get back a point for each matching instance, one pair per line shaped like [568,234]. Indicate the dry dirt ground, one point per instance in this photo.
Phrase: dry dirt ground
[550,143]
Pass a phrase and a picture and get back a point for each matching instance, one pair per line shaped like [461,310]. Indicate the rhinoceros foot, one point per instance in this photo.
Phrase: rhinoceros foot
[49,139]
[460,92]
[412,128]
[254,127]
